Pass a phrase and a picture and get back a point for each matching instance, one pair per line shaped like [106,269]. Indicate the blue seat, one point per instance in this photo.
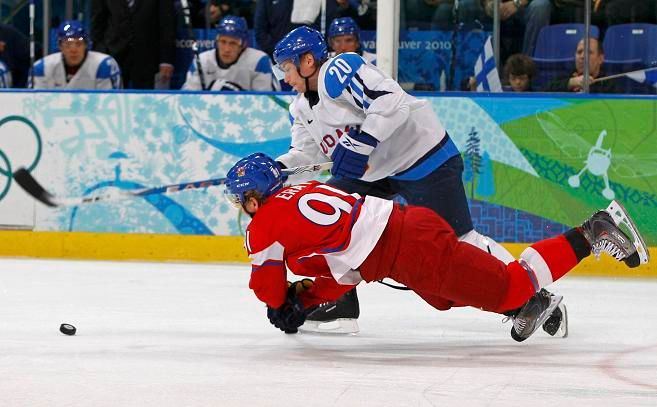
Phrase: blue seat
[554,53]
[629,47]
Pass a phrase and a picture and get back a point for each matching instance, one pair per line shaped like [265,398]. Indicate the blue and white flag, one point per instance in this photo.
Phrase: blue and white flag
[488,80]
[647,76]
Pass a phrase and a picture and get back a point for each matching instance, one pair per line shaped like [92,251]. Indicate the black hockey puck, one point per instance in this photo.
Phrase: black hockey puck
[67,329]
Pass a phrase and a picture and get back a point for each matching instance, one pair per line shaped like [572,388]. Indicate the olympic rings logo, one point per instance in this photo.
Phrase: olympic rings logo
[6,168]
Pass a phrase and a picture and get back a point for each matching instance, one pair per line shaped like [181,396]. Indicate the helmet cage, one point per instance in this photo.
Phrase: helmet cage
[278,70]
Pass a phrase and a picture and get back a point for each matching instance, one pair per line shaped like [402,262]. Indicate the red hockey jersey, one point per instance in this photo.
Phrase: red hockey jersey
[313,230]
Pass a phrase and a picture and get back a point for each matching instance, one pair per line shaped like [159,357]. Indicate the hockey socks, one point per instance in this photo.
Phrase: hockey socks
[540,265]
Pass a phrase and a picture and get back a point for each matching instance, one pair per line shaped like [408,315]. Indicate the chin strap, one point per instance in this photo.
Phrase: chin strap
[317,66]
[307,77]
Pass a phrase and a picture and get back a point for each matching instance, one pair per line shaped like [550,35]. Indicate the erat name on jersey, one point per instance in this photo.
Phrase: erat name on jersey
[289,192]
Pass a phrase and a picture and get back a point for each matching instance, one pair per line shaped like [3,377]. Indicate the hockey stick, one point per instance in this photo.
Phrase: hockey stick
[32,44]
[23,177]
[197,57]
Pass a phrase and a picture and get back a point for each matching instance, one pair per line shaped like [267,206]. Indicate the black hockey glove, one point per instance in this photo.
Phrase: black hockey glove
[288,317]
[291,315]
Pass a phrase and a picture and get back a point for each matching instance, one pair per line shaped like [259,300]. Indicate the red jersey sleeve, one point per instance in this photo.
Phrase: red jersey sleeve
[268,272]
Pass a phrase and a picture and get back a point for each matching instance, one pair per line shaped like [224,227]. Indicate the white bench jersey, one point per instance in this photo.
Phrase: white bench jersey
[251,71]
[98,71]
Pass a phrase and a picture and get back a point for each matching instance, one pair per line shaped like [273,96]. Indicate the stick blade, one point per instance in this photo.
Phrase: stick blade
[30,185]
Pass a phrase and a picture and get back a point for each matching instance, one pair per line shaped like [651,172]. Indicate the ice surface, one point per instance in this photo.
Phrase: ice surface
[194,335]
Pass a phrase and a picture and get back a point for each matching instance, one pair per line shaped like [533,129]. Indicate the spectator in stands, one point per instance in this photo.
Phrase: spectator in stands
[519,71]
[5,76]
[140,35]
[232,65]
[344,36]
[75,67]
[575,82]
[15,52]
[272,22]
[217,9]
[362,11]
[273,18]
[629,11]
[439,14]
[532,15]
[605,13]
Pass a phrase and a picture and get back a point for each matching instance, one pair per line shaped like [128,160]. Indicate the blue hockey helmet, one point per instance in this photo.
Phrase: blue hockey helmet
[234,26]
[298,42]
[71,30]
[256,172]
[343,26]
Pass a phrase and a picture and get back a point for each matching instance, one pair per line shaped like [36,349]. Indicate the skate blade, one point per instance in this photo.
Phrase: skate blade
[563,328]
[338,326]
[555,300]
[621,217]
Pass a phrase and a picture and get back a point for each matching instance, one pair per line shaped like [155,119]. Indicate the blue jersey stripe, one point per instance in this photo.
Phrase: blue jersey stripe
[445,150]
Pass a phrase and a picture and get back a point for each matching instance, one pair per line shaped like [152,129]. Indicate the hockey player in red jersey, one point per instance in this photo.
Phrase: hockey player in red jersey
[341,239]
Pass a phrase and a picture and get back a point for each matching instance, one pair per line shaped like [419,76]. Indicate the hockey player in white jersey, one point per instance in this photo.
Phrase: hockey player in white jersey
[382,141]
[232,65]
[5,76]
[344,36]
[75,67]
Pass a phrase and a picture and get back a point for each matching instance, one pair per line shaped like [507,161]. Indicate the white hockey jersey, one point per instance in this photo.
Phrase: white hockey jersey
[412,141]
[5,76]
[251,71]
[98,71]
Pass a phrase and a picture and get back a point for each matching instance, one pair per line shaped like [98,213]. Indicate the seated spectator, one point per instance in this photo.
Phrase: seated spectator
[575,81]
[75,67]
[605,13]
[519,71]
[532,15]
[344,36]
[5,76]
[232,65]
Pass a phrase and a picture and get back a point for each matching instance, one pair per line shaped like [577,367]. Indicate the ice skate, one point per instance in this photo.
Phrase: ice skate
[557,324]
[533,314]
[335,317]
[612,231]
